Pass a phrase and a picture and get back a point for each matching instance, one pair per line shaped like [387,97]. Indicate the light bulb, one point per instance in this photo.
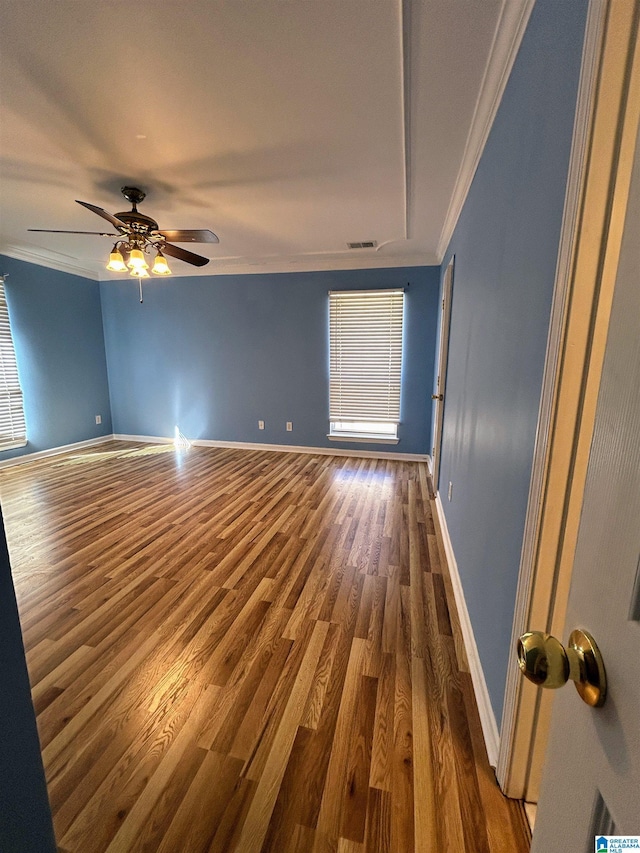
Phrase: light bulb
[160,265]
[137,260]
[139,272]
[116,262]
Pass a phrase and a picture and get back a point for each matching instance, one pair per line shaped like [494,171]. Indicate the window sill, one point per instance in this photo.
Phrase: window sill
[11,445]
[365,439]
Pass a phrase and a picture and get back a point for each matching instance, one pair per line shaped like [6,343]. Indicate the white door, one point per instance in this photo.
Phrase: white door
[441,376]
[591,781]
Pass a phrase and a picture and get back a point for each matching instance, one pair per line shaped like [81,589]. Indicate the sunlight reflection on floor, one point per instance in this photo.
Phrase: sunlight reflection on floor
[131,452]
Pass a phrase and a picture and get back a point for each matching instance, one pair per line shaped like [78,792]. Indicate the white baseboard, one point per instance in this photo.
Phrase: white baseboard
[241,445]
[53,451]
[280,448]
[487,717]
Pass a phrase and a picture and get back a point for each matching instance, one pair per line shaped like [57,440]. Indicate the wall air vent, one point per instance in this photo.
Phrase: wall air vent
[365,244]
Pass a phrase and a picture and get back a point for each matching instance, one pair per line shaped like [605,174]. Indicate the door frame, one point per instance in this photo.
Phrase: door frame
[608,111]
[441,371]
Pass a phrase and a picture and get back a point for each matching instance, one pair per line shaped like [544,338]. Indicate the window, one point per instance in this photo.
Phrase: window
[12,426]
[365,364]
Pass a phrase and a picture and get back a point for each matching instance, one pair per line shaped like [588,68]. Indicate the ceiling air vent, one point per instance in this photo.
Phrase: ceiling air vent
[365,244]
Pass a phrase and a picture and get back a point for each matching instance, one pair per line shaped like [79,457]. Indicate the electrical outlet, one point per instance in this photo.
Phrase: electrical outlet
[98,419]
[289,426]
[450,492]
[260,424]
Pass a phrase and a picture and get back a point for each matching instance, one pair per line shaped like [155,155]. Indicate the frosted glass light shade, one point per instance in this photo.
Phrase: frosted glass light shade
[160,265]
[137,260]
[116,262]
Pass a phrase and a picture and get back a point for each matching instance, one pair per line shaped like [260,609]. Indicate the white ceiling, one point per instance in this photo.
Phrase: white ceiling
[288,127]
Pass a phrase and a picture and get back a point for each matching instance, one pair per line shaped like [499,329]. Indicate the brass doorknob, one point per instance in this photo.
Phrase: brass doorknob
[545,661]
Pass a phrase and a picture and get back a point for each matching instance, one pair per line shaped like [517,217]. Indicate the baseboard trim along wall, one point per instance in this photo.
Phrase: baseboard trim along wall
[53,451]
[487,717]
[280,448]
[241,445]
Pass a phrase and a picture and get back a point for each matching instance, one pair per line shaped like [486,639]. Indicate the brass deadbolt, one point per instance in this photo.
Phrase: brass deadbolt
[545,661]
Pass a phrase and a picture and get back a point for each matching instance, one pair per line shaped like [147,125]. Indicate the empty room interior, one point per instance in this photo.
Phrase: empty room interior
[283,484]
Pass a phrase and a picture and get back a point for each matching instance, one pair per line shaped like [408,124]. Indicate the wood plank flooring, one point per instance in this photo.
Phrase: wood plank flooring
[244,651]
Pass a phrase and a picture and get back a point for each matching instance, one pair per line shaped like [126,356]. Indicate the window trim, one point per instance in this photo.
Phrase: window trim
[344,434]
[381,343]
[11,445]
[10,381]
[361,438]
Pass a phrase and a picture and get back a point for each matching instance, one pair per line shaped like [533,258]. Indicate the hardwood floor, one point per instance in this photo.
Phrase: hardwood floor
[247,651]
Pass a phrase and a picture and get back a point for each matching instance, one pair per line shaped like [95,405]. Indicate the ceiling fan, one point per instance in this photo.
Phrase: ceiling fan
[138,234]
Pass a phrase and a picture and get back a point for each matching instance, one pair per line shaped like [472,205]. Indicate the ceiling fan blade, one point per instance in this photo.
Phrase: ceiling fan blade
[53,231]
[184,255]
[103,213]
[190,236]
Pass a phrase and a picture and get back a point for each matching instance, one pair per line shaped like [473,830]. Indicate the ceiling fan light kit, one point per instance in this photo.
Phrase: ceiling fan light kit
[139,234]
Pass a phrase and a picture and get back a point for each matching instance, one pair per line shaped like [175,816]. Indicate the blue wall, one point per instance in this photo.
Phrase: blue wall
[213,355]
[56,323]
[506,246]
[25,817]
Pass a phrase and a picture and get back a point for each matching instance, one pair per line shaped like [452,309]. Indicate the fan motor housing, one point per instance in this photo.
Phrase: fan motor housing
[135,218]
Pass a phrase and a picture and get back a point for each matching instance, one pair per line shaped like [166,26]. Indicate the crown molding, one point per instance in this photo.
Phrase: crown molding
[310,263]
[314,263]
[240,266]
[512,23]
[21,254]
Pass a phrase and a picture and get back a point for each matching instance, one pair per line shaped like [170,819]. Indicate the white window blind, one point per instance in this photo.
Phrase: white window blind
[365,328]
[12,425]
